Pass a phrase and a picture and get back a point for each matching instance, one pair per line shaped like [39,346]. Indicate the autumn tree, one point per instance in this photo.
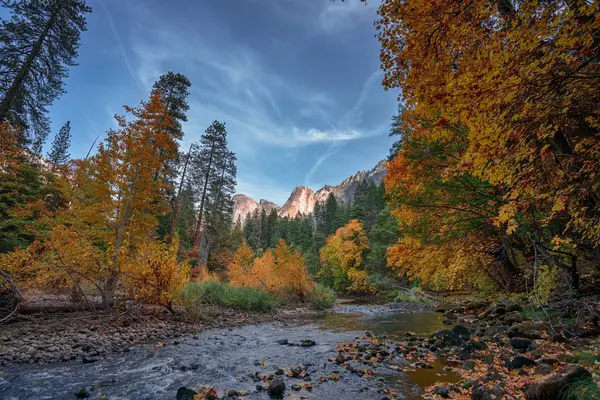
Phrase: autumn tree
[239,271]
[37,45]
[28,195]
[521,81]
[342,259]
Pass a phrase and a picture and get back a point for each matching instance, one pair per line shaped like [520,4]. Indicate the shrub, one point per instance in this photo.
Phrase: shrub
[412,295]
[197,294]
[322,297]
[383,283]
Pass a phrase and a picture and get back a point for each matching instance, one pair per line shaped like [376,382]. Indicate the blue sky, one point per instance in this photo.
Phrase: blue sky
[297,82]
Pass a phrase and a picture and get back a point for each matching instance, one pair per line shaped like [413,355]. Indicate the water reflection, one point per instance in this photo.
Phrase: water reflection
[422,323]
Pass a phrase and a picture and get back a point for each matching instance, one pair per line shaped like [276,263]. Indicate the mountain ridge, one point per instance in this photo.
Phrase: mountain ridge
[302,200]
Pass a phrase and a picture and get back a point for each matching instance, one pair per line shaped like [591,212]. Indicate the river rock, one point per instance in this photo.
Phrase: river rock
[527,330]
[519,362]
[82,394]
[485,393]
[513,317]
[308,343]
[555,387]
[184,393]
[276,388]
[520,344]
[445,338]
[444,391]
[461,331]
[544,369]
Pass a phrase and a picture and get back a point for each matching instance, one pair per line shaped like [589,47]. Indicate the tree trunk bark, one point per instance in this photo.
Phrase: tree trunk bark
[177,198]
[202,200]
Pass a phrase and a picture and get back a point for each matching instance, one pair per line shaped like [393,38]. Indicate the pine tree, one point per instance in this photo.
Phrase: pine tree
[37,44]
[174,90]
[272,228]
[59,153]
[330,215]
[213,146]
[219,205]
[264,231]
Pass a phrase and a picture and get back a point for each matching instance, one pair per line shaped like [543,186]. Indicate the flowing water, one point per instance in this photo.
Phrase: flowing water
[225,358]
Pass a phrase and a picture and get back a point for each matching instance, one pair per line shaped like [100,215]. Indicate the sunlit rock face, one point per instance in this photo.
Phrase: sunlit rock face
[302,200]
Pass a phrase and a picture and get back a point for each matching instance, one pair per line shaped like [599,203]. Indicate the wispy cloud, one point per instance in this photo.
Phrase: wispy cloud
[337,15]
[335,146]
[113,28]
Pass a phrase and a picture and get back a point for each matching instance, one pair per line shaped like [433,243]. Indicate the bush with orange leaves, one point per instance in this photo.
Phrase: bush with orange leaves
[282,270]
[154,275]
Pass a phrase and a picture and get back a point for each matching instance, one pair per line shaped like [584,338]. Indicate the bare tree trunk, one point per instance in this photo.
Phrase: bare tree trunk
[178,198]
[197,232]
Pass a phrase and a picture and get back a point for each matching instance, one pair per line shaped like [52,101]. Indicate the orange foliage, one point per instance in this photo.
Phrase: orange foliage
[282,270]
[524,83]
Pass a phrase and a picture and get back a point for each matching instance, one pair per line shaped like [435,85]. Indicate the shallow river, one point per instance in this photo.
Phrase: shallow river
[225,358]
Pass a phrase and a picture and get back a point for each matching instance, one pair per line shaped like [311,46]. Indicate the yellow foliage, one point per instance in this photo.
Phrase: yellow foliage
[452,266]
[153,274]
[240,268]
[523,81]
[359,281]
[342,258]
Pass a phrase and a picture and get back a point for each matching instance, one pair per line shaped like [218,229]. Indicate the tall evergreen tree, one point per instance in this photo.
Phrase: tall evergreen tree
[330,215]
[219,205]
[59,153]
[213,146]
[272,228]
[174,91]
[37,45]
[264,231]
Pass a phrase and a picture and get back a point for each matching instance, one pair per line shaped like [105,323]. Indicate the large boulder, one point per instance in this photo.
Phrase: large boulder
[556,387]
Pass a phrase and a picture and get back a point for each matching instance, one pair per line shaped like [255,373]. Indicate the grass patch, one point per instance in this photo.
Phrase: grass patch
[585,390]
[197,294]
[412,295]
[322,297]
[586,358]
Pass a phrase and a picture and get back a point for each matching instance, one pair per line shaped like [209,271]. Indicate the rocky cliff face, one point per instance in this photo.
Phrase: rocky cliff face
[303,199]
[244,205]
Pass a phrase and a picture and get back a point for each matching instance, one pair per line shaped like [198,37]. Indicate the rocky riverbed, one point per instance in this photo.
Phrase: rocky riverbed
[88,337]
[480,352]
[238,361]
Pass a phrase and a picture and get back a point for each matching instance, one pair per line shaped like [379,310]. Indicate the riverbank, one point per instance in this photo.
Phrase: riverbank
[490,351]
[89,336]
